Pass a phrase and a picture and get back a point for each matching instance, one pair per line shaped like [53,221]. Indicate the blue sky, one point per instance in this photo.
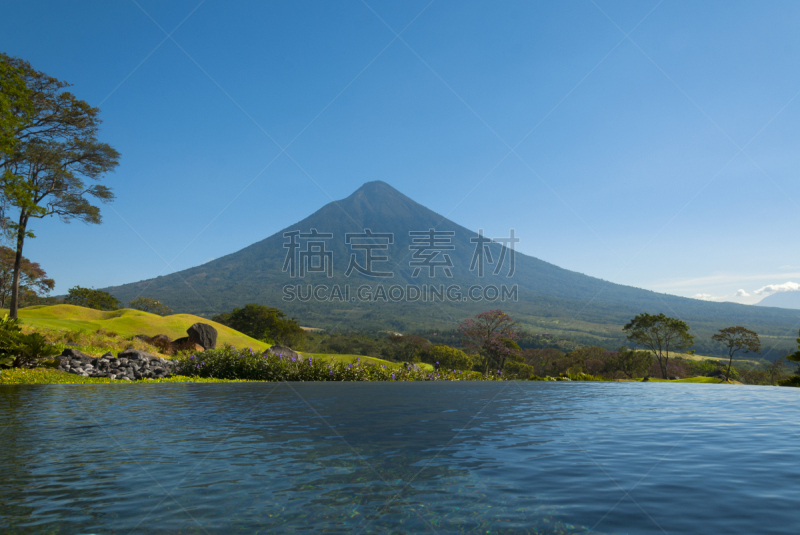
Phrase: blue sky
[647,143]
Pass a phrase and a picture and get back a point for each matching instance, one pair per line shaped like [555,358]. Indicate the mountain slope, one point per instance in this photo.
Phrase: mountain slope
[782,299]
[549,298]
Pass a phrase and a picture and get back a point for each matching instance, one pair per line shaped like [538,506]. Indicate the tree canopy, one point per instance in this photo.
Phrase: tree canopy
[33,280]
[54,152]
[264,323]
[660,334]
[91,298]
[736,339]
[148,304]
[492,334]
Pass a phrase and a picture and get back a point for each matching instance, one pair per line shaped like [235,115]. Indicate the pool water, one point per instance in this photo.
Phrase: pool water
[411,457]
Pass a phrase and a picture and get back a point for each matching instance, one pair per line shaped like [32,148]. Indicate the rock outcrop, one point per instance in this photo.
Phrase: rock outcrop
[203,334]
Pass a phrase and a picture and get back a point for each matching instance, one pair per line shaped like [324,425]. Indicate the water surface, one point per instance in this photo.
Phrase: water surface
[462,457]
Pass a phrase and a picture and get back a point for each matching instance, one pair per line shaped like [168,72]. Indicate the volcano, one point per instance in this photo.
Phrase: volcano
[417,270]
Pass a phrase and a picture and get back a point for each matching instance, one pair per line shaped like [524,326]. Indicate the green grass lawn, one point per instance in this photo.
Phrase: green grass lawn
[49,376]
[366,360]
[126,322]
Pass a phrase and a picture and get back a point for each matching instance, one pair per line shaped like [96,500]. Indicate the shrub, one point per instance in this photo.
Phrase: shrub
[449,358]
[230,363]
[791,381]
[18,349]
[519,370]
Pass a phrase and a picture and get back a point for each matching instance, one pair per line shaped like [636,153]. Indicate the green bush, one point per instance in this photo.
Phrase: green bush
[520,370]
[231,363]
[791,381]
[18,349]
[449,358]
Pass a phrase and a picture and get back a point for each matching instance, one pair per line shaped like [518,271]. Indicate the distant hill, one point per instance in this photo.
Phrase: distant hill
[782,300]
[550,299]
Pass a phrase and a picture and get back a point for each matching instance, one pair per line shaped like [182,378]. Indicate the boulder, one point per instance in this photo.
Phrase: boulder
[203,334]
[75,354]
[286,352]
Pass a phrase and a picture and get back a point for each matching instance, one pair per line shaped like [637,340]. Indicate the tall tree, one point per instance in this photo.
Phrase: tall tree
[660,334]
[33,279]
[735,339]
[492,334]
[56,150]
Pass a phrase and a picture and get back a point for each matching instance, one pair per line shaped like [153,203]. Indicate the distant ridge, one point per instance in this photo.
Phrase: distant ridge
[550,298]
[782,299]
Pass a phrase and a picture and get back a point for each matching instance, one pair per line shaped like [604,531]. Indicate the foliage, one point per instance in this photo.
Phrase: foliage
[91,298]
[660,334]
[264,323]
[519,370]
[230,363]
[492,334]
[148,304]
[794,380]
[19,349]
[33,280]
[546,361]
[734,339]
[55,150]
[630,362]
[16,104]
[410,348]
[448,358]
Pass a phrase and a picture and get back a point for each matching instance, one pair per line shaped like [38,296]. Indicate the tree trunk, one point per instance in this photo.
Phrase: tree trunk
[23,223]
[730,363]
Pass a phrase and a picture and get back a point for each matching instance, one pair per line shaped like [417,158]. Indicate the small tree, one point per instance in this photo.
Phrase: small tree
[90,298]
[33,281]
[659,334]
[264,323]
[735,339]
[148,304]
[55,150]
[776,370]
[492,334]
[795,357]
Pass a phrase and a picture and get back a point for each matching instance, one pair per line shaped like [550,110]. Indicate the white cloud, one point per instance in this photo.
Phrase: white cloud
[742,293]
[773,288]
[704,297]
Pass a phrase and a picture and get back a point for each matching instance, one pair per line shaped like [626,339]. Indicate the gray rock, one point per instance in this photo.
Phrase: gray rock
[203,334]
[135,354]
[75,354]
[287,352]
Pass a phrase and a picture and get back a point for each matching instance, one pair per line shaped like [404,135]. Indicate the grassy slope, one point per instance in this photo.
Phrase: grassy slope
[126,322]
[366,360]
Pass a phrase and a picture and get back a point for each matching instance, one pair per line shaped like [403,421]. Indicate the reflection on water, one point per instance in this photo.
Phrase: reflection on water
[399,458]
